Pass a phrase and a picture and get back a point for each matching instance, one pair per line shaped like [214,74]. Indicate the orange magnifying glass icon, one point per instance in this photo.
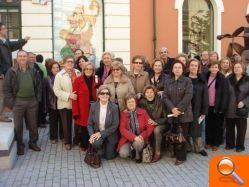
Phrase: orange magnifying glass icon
[226,167]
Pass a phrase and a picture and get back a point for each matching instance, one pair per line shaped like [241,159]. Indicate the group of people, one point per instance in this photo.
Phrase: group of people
[115,111]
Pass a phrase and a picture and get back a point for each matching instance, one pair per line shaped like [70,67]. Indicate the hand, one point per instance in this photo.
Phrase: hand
[160,93]
[138,139]
[241,104]
[176,112]
[73,96]
[1,76]
[27,38]
[202,116]
[152,122]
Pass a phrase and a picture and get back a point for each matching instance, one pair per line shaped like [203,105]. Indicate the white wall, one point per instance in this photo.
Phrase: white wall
[37,23]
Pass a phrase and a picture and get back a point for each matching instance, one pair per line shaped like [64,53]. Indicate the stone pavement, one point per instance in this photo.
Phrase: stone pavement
[54,166]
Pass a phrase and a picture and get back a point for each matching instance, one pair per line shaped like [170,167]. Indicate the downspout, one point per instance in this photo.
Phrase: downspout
[154,28]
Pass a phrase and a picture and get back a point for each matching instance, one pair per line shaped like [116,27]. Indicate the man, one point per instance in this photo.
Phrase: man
[204,61]
[32,60]
[22,92]
[163,53]
[77,54]
[6,49]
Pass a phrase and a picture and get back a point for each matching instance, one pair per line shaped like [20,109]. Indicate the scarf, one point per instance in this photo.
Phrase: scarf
[134,125]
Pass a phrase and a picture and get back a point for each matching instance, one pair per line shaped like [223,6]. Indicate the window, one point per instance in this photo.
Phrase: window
[198,26]
[10,15]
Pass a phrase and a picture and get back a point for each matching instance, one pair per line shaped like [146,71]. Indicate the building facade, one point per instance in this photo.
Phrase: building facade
[125,27]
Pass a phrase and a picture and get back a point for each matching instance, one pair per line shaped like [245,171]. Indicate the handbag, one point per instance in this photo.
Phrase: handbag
[175,138]
[91,158]
[147,153]
[242,112]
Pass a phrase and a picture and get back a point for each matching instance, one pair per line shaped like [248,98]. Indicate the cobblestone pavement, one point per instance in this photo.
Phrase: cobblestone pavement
[54,166]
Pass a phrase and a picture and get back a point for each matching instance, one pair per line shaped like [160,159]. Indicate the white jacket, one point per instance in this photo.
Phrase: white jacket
[63,89]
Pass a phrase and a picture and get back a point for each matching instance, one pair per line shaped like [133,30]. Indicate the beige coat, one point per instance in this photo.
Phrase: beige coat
[124,87]
[140,81]
[63,89]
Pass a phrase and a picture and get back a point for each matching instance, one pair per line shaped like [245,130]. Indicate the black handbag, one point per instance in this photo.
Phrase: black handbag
[92,158]
[175,138]
[242,112]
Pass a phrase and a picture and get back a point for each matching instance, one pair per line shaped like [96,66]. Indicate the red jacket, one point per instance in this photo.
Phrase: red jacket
[144,127]
[81,105]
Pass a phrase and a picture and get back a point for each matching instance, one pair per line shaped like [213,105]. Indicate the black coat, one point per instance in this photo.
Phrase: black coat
[168,65]
[49,98]
[221,96]
[200,104]
[6,50]
[159,84]
[238,91]
[178,93]
[11,85]
[100,71]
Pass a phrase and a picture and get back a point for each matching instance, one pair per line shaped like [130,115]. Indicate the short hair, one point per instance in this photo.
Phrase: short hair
[39,58]
[103,87]
[182,55]
[177,62]
[141,57]
[87,64]
[229,60]
[82,52]
[117,64]
[195,60]
[48,61]
[107,53]
[214,52]
[51,65]
[130,96]
[31,53]
[213,63]
[148,87]
[66,57]
[242,65]
[1,24]
[156,60]
[163,49]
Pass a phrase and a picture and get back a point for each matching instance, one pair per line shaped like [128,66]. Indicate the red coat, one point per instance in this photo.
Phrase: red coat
[81,105]
[144,127]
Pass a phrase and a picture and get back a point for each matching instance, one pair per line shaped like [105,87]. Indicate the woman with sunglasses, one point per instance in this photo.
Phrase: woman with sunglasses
[85,87]
[119,84]
[139,78]
[103,124]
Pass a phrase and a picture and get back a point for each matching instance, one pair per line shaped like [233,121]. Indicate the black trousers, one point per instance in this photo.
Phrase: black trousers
[81,135]
[55,125]
[180,150]
[66,119]
[29,108]
[214,128]
[41,114]
[241,125]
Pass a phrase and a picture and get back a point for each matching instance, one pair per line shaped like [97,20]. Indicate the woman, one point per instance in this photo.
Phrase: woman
[85,88]
[183,58]
[135,129]
[158,77]
[155,108]
[238,98]
[103,124]
[178,92]
[105,68]
[217,92]
[199,104]
[50,103]
[226,66]
[119,84]
[139,78]
[63,90]
[213,56]
[81,61]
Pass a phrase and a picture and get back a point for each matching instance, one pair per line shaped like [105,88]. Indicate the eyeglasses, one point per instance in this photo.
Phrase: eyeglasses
[89,69]
[137,62]
[117,69]
[104,93]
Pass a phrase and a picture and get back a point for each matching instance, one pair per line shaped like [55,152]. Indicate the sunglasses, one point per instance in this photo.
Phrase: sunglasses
[137,62]
[117,69]
[104,93]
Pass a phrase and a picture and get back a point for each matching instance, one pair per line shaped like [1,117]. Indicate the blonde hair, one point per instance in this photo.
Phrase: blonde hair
[117,64]
[85,66]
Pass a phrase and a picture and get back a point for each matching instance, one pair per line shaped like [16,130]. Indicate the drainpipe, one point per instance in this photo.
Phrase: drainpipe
[154,28]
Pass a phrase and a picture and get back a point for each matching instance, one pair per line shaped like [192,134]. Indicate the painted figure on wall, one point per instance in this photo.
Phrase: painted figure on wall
[81,29]
[243,51]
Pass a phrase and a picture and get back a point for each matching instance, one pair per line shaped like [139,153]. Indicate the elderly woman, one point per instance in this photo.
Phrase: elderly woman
[119,84]
[139,78]
[50,103]
[226,66]
[85,87]
[155,108]
[199,105]
[65,95]
[103,124]
[105,68]
[183,58]
[238,99]
[135,129]
[80,62]
[158,77]
[178,92]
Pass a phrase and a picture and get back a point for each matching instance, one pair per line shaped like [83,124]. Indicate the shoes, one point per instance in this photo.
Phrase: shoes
[214,148]
[20,151]
[239,150]
[42,125]
[229,147]
[5,119]
[203,153]
[178,162]
[53,141]
[34,147]
[207,146]
[138,161]
[83,149]
[68,147]
[156,158]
